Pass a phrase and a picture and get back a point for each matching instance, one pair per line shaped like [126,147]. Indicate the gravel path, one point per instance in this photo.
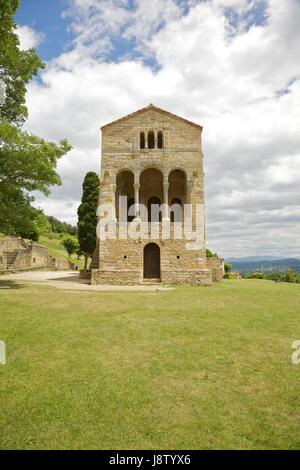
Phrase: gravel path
[68,280]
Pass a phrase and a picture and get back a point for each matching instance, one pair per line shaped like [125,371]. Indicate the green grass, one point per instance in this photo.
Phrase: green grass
[53,241]
[194,368]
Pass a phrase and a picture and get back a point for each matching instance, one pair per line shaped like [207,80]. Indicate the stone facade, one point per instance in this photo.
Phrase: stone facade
[18,254]
[153,158]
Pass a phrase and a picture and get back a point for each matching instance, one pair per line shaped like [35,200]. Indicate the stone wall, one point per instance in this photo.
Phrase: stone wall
[216,265]
[121,262]
[17,253]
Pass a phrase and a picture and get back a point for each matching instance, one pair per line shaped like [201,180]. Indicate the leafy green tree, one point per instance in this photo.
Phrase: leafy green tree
[61,227]
[70,245]
[227,267]
[40,226]
[27,162]
[291,276]
[209,253]
[87,220]
[17,67]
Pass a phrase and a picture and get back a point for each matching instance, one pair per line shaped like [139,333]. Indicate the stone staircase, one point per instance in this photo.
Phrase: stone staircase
[10,258]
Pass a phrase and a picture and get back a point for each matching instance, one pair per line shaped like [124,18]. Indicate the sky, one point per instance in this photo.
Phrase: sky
[230,65]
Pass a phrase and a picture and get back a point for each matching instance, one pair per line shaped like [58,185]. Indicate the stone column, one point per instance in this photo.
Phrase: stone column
[166,201]
[113,197]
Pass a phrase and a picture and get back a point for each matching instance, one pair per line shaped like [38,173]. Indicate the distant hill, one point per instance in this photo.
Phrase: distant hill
[250,265]
[253,258]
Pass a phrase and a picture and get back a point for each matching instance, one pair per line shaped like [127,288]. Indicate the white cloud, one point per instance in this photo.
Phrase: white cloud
[29,37]
[244,88]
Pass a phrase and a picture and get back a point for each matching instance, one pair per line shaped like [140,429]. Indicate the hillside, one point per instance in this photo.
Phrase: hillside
[53,241]
[266,266]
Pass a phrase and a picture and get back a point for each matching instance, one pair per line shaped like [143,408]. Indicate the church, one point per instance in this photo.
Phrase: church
[152,202]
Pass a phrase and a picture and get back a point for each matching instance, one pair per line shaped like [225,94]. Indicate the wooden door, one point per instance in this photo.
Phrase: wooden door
[152,261]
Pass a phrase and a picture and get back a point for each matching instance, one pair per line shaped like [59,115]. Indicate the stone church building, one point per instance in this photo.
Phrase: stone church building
[155,159]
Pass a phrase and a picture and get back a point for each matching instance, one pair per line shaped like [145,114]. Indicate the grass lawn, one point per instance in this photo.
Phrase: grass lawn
[191,368]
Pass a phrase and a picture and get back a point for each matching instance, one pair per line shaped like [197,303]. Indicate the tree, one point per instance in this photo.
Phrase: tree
[209,253]
[27,162]
[79,252]
[227,267]
[87,220]
[17,67]
[70,245]
[40,226]
[61,227]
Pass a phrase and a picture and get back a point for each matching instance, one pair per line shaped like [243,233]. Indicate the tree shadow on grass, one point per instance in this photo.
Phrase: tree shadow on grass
[6,285]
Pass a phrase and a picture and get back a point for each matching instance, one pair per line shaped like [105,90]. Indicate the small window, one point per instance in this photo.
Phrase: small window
[150,140]
[178,257]
[160,140]
[142,140]
[33,260]
[125,256]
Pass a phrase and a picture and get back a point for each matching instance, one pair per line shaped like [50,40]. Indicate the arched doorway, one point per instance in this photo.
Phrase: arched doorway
[151,261]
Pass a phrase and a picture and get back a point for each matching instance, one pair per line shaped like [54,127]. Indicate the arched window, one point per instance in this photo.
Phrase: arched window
[176,210]
[153,206]
[142,140]
[160,140]
[150,140]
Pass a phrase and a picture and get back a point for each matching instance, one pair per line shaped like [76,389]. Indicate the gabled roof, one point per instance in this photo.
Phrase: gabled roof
[154,108]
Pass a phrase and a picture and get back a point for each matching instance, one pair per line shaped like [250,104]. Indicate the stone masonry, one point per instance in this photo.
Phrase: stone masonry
[18,254]
[154,158]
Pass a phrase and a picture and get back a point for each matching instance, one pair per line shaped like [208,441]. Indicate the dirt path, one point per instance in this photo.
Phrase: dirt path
[68,280]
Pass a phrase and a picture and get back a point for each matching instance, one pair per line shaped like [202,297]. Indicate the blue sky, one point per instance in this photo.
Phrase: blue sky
[230,65]
[46,16]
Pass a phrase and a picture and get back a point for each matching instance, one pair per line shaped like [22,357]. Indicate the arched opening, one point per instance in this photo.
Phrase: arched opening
[177,194]
[153,208]
[160,140]
[151,187]
[125,180]
[176,210]
[142,140]
[151,141]
[152,261]
[130,209]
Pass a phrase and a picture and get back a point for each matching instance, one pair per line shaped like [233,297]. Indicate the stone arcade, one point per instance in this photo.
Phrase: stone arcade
[154,158]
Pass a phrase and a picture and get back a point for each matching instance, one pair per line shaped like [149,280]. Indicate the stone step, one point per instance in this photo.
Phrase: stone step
[10,257]
[151,281]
